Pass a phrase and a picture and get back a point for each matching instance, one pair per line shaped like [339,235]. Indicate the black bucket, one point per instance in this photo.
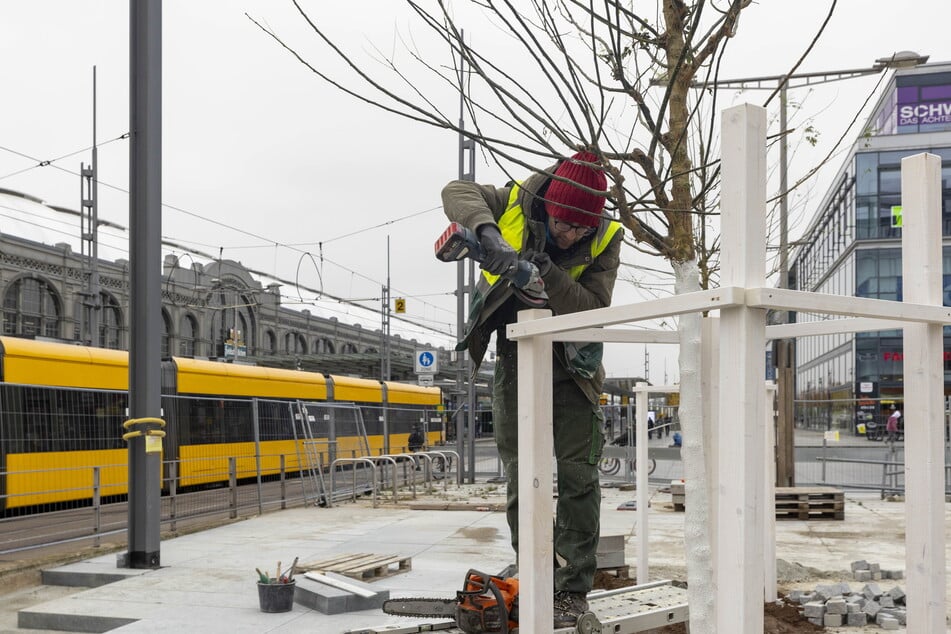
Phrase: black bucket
[276,597]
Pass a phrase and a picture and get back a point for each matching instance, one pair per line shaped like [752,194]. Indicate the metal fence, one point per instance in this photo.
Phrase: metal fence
[63,463]
[244,473]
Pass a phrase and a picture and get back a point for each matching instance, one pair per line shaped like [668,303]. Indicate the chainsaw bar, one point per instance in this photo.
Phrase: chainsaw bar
[436,608]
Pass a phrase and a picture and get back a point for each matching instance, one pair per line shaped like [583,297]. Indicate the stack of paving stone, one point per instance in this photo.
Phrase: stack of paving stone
[836,605]
[865,571]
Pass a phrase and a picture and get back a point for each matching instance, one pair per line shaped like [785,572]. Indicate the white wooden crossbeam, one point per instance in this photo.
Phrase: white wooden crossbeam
[831,327]
[620,335]
[824,303]
[629,313]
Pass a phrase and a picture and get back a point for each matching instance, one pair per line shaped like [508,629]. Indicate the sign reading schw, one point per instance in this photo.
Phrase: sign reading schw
[925,113]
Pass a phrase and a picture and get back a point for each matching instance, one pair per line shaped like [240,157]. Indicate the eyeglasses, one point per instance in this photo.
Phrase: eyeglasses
[579,230]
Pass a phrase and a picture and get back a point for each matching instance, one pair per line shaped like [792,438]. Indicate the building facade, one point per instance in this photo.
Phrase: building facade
[853,247]
[216,310]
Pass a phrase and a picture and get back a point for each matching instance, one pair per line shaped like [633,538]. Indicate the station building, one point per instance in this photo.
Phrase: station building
[216,310]
[853,247]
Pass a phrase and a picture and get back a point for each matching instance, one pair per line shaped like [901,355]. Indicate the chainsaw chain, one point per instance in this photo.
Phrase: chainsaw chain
[422,607]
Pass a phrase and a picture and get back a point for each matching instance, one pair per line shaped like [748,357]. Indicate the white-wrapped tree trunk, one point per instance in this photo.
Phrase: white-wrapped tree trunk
[697,536]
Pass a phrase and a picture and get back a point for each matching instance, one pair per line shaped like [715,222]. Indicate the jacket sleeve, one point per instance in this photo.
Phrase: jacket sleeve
[592,290]
[473,205]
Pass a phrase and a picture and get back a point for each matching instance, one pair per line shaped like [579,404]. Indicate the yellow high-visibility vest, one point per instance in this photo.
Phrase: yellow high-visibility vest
[512,225]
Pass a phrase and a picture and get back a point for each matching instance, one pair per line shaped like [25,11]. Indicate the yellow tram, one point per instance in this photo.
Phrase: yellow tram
[62,407]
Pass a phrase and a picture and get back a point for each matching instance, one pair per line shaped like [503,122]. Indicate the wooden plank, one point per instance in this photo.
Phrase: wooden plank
[806,490]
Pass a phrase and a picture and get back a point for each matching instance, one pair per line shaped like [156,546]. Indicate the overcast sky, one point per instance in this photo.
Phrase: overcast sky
[253,140]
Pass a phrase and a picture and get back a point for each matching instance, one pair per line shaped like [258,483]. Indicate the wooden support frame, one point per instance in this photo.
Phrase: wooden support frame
[739,466]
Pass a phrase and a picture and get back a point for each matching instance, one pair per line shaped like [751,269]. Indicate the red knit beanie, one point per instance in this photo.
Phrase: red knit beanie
[570,204]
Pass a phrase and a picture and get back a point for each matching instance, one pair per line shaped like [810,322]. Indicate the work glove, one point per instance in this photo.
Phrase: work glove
[542,262]
[500,257]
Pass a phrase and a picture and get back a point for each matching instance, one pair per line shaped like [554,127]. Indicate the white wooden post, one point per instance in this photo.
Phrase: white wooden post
[739,570]
[640,452]
[769,497]
[924,396]
[535,507]
[710,388]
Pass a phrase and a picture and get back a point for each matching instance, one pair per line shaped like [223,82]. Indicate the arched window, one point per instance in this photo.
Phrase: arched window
[110,322]
[31,307]
[166,331]
[271,342]
[233,322]
[186,336]
[294,343]
[348,348]
[324,346]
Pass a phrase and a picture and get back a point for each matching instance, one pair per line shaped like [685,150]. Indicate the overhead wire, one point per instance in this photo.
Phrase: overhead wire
[270,243]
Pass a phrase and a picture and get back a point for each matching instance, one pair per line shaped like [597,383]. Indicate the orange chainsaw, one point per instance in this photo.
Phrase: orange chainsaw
[487,604]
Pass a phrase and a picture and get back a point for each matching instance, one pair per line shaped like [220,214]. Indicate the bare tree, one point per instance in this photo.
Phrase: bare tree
[602,77]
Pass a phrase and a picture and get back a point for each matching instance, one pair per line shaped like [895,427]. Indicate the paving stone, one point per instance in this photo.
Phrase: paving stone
[897,595]
[871,608]
[814,609]
[332,600]
[871,590]
[861,564]
[836,605]
[888,623]
[833,620]
[854,619]
[863,575]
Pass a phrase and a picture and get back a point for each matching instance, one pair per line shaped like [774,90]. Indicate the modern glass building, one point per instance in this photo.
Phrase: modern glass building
[853,247]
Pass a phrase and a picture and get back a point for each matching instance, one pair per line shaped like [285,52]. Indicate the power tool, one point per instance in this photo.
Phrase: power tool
[458,242]
[487,604]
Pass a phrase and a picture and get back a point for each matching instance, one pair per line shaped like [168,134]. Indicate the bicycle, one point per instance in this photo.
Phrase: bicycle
[611,466]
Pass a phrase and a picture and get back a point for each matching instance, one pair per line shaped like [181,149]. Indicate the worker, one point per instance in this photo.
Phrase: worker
[553,218]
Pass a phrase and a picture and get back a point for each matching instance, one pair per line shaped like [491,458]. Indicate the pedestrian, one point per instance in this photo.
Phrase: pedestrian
[891,425]
[416,439]
[554,219]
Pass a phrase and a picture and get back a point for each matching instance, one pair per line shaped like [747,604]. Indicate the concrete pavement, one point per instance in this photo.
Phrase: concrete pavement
[207,579]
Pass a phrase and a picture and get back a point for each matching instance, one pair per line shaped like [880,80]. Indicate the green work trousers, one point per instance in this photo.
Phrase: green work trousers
[578,440]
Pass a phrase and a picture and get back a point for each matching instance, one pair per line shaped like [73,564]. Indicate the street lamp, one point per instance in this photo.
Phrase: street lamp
[785,465]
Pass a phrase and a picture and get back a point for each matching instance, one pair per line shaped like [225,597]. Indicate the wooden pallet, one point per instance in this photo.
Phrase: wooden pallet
[361,565]
[809,503]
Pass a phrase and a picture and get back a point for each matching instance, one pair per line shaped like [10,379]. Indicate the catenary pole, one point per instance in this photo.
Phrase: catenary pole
[145,230]
[465,282]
